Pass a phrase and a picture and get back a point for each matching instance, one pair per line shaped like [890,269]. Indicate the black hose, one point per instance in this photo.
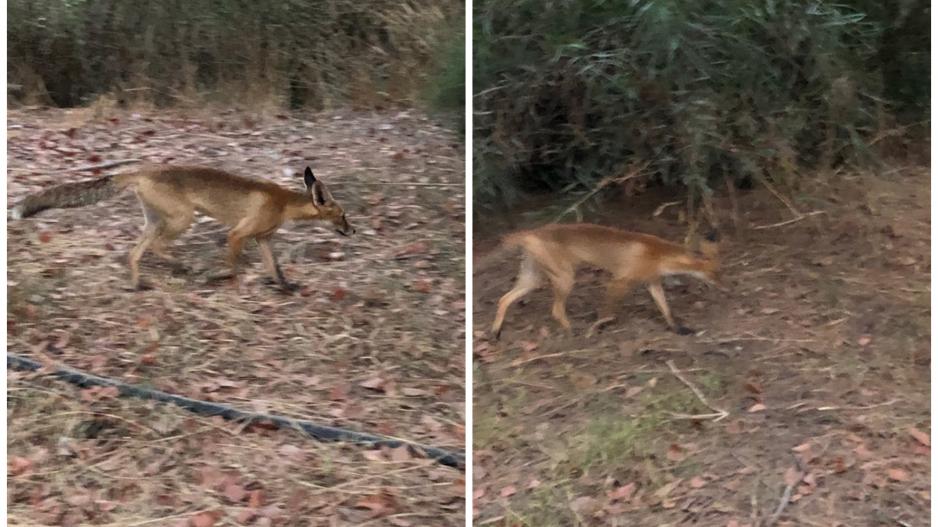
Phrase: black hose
[319,432]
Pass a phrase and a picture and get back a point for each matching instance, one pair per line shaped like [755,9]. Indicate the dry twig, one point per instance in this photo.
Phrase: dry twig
[718,413]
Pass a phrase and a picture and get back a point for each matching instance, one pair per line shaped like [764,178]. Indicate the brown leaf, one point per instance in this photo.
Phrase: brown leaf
[862,452]
[920,436]
[256,498]
[675,453]
[697,482]
[18,465]
[338,294]
[753,387]
[803,447]
[864,340]
[45,236]
[374,383]
[897,474]
[205,519]
[339,392]
[792,476]
[510,490]
[758,407]
[423,285]
[381,504]
[623,493]
[235,493]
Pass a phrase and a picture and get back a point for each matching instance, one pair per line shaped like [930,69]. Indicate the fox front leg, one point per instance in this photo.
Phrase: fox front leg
[270,261]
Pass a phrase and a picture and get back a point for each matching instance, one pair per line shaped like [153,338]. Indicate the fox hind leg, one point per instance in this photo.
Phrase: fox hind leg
[529,279]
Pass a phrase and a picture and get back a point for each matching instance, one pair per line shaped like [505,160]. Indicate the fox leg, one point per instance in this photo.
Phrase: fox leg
[171,228]
[616,289]
[657,293]
[150,233]
[562,283]
[270,261]
[529,279]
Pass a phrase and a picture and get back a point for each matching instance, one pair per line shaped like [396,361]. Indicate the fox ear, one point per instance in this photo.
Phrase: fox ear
[309,178]
[321,194]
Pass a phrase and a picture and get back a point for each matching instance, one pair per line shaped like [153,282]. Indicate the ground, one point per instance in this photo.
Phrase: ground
[374,340]
[818,350]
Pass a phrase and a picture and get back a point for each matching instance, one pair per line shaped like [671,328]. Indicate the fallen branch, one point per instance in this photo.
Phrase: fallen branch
[786,495]
[718,413]
[789,222]
[319,432]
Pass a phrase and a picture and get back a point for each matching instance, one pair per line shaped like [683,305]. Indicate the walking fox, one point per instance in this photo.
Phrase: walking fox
[171,195]
[555,251]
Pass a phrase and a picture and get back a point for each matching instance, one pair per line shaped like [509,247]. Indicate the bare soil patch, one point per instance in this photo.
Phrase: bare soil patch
[373,341]
[819,353]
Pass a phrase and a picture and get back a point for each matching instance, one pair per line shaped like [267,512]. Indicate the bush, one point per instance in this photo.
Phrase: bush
[291,53]
[574,94]
[446,88]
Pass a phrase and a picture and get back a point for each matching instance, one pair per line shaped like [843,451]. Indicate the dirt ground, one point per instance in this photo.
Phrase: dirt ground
[373,341]
[819,352]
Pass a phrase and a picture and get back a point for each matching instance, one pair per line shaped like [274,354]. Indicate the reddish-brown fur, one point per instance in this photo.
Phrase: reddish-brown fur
[171,195]
[555,252]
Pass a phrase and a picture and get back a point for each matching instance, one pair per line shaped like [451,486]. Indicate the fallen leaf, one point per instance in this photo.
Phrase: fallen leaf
[381,504]
[792,476]
[862,452]
[510,490]
[864,340]
[803,447]
[675,453]
[235,493]
[623,493]
[758,407]
[374,383]
[920,436]
[697,482]
[205,519]
[897,474]
[256,498]
[18,465]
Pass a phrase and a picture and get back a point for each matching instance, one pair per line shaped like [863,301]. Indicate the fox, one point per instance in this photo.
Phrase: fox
[171,195]
[556,251]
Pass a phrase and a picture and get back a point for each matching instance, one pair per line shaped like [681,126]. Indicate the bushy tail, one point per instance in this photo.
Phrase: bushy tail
[67,195]
[508,245]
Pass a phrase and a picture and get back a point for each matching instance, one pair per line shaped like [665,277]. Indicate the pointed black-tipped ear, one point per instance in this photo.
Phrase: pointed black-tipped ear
[309,178]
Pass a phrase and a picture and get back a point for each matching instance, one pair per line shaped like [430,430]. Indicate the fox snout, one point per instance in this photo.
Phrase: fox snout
[344,228]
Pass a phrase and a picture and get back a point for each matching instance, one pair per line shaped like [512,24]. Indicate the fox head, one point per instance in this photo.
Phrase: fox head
[703,261]
[707,256]
[329,210]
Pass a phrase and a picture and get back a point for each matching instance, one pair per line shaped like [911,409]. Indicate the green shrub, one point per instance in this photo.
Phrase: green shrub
[570,94]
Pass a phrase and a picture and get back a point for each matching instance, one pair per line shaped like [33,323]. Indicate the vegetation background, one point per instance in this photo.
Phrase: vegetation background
[572,96]
[286,54]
